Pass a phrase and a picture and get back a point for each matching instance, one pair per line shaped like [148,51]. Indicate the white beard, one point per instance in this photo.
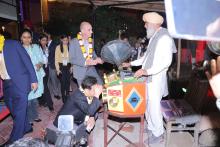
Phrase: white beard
[150,32]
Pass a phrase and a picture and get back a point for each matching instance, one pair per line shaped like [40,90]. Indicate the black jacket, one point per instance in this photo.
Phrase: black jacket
[51,58]
[77,105]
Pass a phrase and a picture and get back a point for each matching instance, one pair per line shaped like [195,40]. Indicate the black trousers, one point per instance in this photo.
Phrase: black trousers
[46,98]
[65,81]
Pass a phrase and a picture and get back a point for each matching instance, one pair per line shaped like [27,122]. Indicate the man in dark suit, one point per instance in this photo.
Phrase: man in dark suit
[83,106]
[19,77]
[54,83]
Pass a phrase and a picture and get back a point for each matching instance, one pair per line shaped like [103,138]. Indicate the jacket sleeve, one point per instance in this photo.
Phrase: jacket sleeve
[138,62]
[75,54]
[27,62]
[94,56]
[88,109]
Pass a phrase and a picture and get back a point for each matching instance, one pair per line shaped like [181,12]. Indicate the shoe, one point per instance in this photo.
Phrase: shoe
[29,131]
[153,139]
[31,123]
[6,144]
[57,97]
[37,120]
[43,105]
[51,109]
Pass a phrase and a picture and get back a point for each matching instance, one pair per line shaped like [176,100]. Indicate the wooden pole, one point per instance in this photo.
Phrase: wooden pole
[178,59]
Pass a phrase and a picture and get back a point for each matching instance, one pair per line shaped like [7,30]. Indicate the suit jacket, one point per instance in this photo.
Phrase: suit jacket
[78,61]
[51,57]
[19,65]
[77,105]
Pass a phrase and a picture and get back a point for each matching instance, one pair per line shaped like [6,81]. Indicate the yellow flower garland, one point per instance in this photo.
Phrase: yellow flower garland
[2,40]
[83,49]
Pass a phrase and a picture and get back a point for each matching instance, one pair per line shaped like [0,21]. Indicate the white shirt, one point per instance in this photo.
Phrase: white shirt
[162,56]
[3,71]
[49,42]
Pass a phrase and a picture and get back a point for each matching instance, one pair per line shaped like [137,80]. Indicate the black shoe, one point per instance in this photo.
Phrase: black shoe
[37,120]
[51,109]
[29,131]
[57,97]
[6,144]
[43,105]
[31,123]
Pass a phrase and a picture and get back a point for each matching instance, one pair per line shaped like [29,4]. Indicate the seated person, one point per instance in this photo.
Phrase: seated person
[83,106]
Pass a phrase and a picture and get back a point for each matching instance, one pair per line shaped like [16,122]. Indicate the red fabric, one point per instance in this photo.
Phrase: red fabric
[3,112]
[28,23]
[185,55]
[210,93]
[200,49]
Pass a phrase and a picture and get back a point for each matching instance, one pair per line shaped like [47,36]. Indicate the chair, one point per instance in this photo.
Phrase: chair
[184,114]
[4,112]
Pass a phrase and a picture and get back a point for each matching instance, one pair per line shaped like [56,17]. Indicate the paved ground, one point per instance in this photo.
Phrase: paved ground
[178,139]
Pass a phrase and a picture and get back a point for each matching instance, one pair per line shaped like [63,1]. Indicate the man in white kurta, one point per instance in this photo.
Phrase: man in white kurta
[155,64]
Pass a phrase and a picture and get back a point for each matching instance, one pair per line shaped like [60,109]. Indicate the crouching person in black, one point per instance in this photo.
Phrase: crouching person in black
[83,106]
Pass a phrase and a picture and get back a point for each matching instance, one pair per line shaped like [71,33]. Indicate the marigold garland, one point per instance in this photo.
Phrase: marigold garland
[2,41]
[83,49]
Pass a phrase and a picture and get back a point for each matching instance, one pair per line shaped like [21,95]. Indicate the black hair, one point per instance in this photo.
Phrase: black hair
[61,43]
[7,35]
[1,32]
[124,35]
[42,35]
[88,82]
[26,31]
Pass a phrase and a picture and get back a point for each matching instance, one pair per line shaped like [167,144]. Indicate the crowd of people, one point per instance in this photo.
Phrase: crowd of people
[35,73]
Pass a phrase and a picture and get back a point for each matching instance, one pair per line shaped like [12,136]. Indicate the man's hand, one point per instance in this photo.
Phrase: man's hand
[98,90]
[58,72]
[126,64]
[34,86]
[90,124]
[99,61]
[214,77]
[91,62]
[140,72]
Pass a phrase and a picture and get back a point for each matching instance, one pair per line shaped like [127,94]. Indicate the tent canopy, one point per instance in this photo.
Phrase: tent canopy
[149,5]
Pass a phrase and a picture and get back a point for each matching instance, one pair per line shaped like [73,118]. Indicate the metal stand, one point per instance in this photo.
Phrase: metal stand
[117,132]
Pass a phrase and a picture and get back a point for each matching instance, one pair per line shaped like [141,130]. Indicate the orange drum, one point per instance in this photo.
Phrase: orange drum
[127,98]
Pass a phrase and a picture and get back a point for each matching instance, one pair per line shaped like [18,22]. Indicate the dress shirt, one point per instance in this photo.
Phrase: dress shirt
[162,56]
[3,71]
